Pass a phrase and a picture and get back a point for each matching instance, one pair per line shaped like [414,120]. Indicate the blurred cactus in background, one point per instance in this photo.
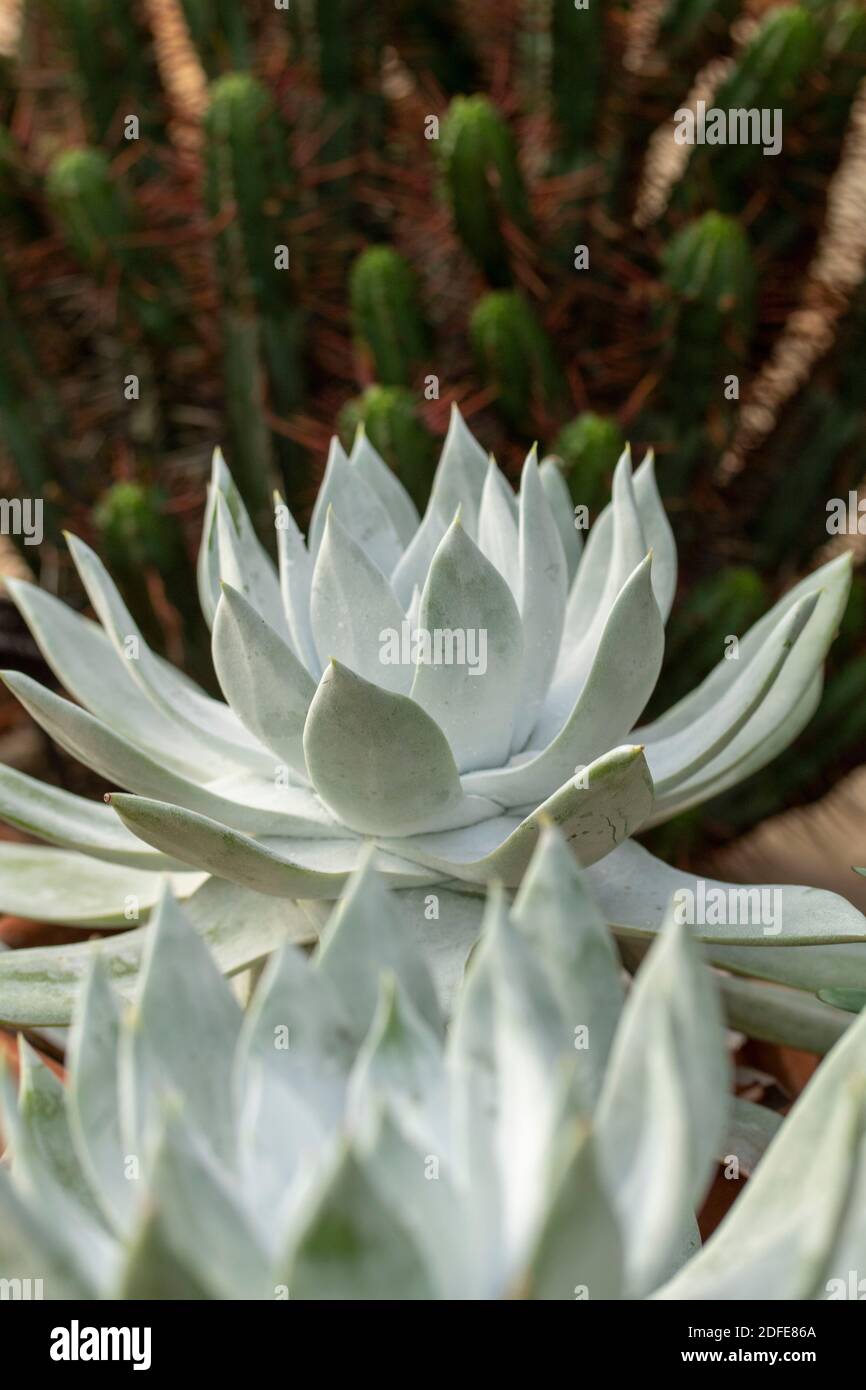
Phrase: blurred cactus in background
[484,183]
[588,447]
[219,30]
[231,223]
[514,356]
[386,314]
[249,196]
[389,417]
[144,545]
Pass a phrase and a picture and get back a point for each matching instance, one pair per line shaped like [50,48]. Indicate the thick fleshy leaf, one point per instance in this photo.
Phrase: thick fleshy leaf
[204,1224]
[387,486]
[99,748]
[296,573]
[663,1106]
[578,1250]
[570,939]
[832,580]
[411,573]
[358,507]
[262,679]
[87,665]
[250,572]
[180,1040]
[592,598]
[633,890]
[675,759]
[401,1066]
[380,762]
[777,1014]
[611,802]
[51,885]
[657,534]
[31,1249]
[71,822]
[751,1130]
[151,1269]
[364,936]
[472,1064]
[43,1142]
[39,985]
[207,723]
[783,1227]
[213,847]
[621,679]
[298,1027]
[94,1096]
[471,695]
[541,594]
[531,1067]
[207,563]
[497,527]
[559,500]
[460,475]
[79,1236]
[352,1245]
[724,773]
[425,1200]
[354,612]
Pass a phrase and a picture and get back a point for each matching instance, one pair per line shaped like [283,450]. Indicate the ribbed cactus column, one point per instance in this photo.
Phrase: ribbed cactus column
[708,271]
[386,314]
[98,223]
[390,418]
[248,192]
[515,355]
[343,40]
[764,79]
[112,63]
[30,415]
[219,30]
[484,183]
[589,447]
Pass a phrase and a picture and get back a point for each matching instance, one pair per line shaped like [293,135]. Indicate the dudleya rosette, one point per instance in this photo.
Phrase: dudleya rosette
[439,688]
[337,1142]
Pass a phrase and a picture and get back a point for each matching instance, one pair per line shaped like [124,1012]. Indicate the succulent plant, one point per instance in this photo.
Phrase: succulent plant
[335,1143]
[386,313]
[483,182]
[438,689]
[389,417]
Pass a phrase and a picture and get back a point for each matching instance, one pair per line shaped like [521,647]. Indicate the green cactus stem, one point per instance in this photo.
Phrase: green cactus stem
[515,355]
[589,446]
[219,30]
[249,190]
[483,181]
[386,314]
[98,222]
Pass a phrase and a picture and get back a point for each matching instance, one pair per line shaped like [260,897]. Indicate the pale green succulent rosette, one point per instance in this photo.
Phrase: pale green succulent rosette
[260,807]
[336,1142]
